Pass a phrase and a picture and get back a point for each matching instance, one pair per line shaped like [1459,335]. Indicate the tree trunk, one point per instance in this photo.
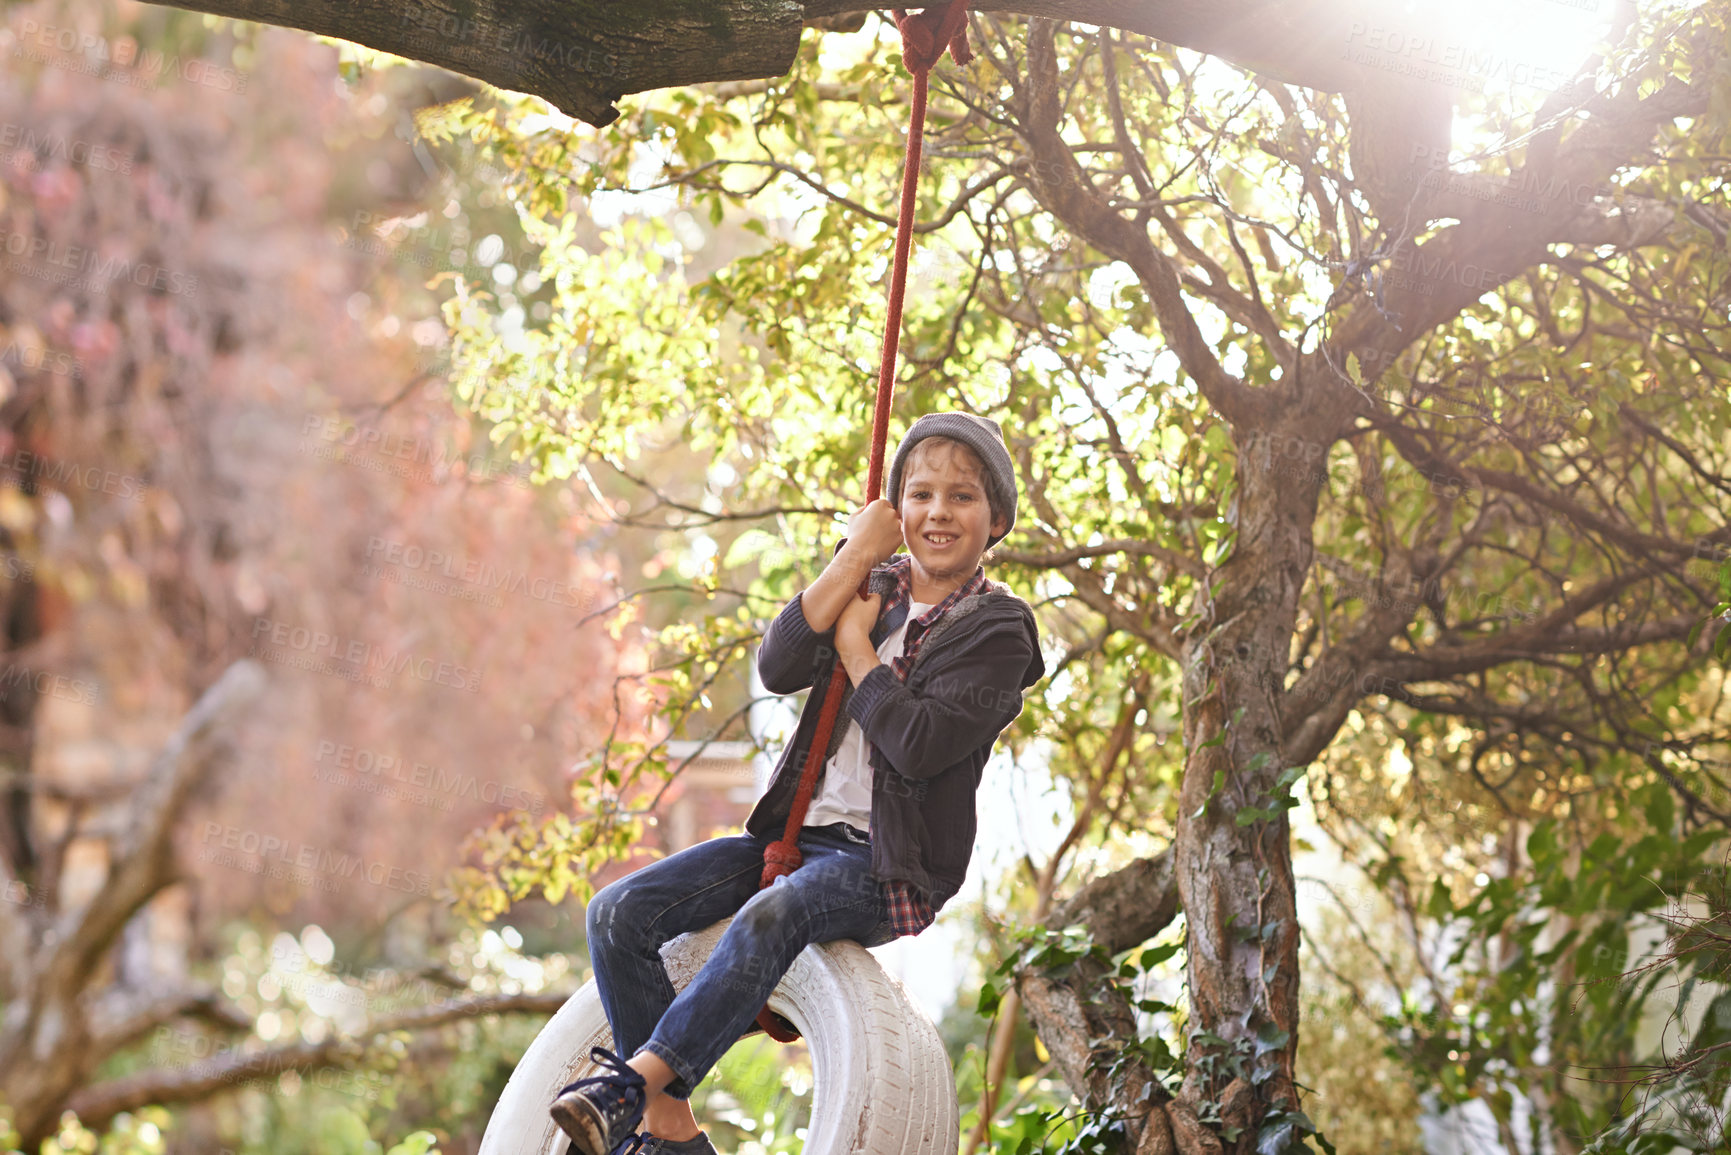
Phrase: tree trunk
[1234,869]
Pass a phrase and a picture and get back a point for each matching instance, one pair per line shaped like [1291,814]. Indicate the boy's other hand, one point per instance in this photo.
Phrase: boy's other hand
[877,530]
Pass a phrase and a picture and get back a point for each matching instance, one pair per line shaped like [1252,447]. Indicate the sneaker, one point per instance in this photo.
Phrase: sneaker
[601,1113]
[656,1145]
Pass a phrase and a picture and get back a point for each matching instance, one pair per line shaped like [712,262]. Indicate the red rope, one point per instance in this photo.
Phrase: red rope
[925,36]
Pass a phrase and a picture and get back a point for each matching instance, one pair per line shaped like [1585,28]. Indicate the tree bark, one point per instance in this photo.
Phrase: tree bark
[581,55]
[578,55]
[1235,880]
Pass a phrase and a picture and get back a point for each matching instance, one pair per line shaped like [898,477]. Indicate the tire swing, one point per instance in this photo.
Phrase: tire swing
[882,1083]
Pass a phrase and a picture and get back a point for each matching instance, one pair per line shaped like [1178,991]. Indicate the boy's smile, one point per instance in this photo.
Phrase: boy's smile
[946,520]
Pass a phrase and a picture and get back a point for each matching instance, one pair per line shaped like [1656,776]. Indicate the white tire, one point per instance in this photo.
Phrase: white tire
[882,1080]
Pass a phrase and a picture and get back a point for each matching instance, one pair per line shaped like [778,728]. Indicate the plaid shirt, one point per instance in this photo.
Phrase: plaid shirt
[909,911]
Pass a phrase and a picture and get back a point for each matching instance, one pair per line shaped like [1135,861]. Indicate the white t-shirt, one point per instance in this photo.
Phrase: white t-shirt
[845,795]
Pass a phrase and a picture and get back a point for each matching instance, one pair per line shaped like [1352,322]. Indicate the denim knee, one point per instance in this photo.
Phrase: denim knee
[772,910]
[608,909]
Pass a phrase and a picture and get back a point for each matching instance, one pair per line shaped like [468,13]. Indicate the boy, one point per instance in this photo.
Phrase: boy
[890,828]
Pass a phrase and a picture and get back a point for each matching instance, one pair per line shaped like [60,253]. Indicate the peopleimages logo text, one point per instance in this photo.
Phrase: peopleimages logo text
[344,757]
[476,572]
[1459,64]
[19,139]
[322,859]
[385,443]
[14,461]
[41,359]
[305,640]
[126,54]
[81,260]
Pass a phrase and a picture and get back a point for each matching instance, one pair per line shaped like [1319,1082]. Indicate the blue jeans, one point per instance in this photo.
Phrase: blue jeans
[831,896]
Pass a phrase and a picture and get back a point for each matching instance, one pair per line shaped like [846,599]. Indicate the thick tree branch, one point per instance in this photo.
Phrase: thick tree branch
[122,1019]
[1313,710]
[1298,43]
[583,55]
[97,1105]
[1439,662]
[1058,559]
[1425,286]
[1046,880]
[143,854]
[47,1048]
[1433,463]
[1124,908]
[1063,189]
[579,55]
[1074,1014]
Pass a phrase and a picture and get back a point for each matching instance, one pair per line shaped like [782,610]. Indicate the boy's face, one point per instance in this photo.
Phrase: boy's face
[942,497]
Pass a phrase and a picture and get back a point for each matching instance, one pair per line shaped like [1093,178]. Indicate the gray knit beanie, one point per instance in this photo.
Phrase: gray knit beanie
[985,438]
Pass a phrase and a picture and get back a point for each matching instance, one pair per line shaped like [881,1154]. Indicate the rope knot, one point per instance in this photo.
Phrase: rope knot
[928,32]
[779,858]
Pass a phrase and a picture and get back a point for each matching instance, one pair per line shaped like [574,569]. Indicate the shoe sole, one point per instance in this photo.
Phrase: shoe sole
[578,1120]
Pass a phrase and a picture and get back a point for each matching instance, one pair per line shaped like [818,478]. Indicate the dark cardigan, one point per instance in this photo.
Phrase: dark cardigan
[931,737]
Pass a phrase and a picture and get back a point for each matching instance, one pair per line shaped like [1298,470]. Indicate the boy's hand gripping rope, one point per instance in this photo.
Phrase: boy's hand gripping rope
[925,36]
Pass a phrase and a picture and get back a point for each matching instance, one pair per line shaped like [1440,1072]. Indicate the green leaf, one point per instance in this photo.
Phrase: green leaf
[1270,1038]
[1660,807]
[1542,842]
[1441,904]
[1219,781]
[1141,960]
[1699,841]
